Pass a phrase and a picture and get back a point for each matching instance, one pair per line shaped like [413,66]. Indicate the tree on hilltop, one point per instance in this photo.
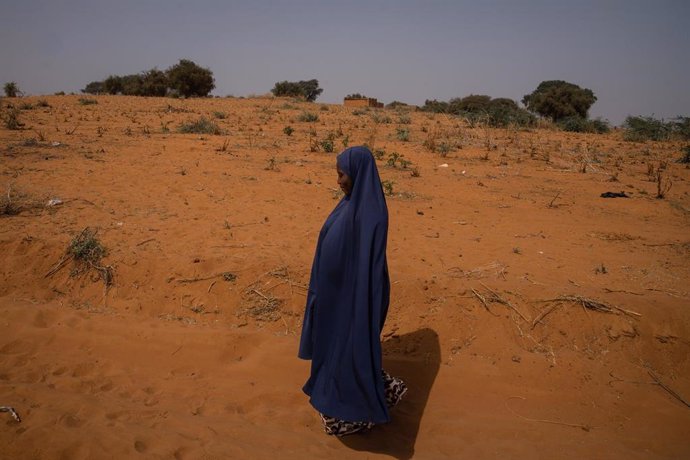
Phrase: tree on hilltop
[188,79]
[12,89]
[558,99]
[307,89]
[95,87]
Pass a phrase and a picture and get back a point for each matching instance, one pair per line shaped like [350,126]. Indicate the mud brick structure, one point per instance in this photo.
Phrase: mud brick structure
[362,102]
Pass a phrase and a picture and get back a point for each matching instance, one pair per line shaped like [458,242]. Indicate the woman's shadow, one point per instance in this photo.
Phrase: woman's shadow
[416,358]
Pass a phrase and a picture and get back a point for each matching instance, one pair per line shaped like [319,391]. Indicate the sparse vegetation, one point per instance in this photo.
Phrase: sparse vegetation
[387,187]
[663,183]
[381,118]
[288,130]
[577,124]
[10,118]
[479,108]
[201,126]
[308,117]
[402,134]
[639,129]
[87,101]
[685,158]
[327,145]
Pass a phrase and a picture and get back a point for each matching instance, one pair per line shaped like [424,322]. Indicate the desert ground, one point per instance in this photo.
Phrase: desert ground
[530,317]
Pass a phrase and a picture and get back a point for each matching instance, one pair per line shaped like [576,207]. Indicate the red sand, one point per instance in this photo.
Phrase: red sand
[161,366]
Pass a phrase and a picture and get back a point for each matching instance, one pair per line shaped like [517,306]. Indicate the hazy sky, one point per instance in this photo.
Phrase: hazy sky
[634,55]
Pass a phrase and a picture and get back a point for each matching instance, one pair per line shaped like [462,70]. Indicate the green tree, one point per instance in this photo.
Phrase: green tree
[113,84]
[307,89]
[188,79]
[132,85]
[95,87]
[558,99]
[11,89]
[154,83]
[432,105]
[474,103]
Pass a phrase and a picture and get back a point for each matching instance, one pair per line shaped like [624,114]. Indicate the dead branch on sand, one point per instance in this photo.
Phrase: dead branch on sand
[483,301]
[554,422]
[594,305]
[262,306]
[479,272]
[657,381]
[668,390]
[497,298]
[543,314]
[227,276]
[622,290]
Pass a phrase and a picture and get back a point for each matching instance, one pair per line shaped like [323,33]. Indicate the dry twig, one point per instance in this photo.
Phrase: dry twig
[593,305]
[554,422]
[497,298]
[668,390]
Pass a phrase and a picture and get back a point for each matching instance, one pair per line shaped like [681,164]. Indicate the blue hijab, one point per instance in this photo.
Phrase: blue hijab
[348,297]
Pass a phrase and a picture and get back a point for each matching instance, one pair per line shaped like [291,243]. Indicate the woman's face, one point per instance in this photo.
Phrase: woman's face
[344,181]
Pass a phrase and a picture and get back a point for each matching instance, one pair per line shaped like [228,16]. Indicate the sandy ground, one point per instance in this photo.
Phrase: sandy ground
[191,353]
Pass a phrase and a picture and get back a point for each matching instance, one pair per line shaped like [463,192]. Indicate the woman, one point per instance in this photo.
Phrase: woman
[347,304]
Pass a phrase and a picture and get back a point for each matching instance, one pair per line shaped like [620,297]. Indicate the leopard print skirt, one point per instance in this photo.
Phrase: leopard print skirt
[394,389]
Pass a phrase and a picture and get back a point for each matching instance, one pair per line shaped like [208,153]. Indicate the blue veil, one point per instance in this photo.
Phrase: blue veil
[348,298]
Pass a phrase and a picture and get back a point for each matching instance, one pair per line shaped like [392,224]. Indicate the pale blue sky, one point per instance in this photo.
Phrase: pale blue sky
[634,55]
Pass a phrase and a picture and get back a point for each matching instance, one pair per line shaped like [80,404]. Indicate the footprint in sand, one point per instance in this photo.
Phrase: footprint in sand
[71,421]
[140,446]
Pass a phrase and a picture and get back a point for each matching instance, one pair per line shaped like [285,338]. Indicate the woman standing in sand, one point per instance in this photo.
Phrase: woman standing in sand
[348,298]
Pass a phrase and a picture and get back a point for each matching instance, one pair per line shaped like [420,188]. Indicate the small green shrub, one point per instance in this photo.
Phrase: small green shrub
[308,117]
[26,106]
[87,101]
[393,159]
[87,251]
[404,120]
[639,129]
[600,126]
[681,128]
[201,126]
[288,130]
[42,103]
[403,134]
[685,159]
[577,124]
[379,154]
[85,247]
[10,118]
[11,89]
[383,119]
[327,145]
[387,187]
[220,115]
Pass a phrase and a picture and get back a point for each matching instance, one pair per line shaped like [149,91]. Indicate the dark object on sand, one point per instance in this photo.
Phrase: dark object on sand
[614,195]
